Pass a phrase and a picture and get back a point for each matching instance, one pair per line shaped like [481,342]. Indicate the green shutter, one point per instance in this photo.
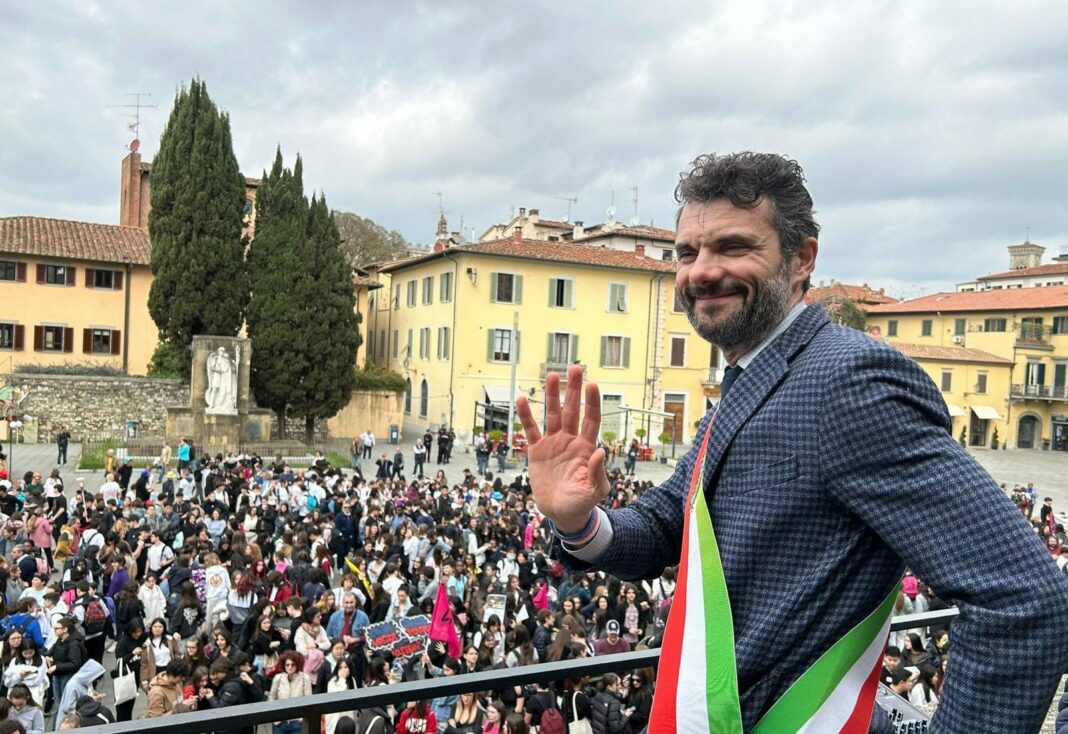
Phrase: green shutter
[1042,374]
[569,287]
[517,288]
[489,346]
[552,292]
[573,348]
[604,351]
[626,351]
[493,287]
[549,348]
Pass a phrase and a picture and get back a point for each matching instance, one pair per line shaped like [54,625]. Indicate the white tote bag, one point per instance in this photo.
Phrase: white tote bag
[124,682]
[577,726]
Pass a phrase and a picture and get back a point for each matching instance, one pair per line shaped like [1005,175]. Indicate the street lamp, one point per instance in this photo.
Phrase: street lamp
[13,426]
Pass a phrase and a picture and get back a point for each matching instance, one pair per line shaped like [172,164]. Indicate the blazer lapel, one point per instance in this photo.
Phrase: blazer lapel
[756,383]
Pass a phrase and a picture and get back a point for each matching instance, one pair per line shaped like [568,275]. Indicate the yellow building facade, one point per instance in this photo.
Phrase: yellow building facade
[1027,327]
[74,293]
[445,321]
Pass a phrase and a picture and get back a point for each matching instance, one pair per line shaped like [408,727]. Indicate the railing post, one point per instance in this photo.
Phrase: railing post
[311,724]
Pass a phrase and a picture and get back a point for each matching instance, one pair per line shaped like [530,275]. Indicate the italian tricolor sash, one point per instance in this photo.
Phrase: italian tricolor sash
[697,686]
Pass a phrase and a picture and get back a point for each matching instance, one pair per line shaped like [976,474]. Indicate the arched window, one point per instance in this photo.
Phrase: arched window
[424,398]
[408,396]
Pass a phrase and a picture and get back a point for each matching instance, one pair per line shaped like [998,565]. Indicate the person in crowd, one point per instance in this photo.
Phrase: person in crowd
[290,682]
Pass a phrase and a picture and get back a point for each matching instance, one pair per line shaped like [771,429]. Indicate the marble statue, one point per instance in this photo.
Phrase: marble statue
[221,395]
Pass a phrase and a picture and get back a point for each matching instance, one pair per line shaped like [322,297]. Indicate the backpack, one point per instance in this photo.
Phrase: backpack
[96,617]
[552,721]
[7,624]
[312,503]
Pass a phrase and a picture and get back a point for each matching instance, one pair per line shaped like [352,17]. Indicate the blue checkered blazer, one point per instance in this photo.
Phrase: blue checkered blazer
[832,467]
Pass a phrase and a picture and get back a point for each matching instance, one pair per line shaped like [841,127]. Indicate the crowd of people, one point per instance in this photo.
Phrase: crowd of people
[235,579]
[239,579]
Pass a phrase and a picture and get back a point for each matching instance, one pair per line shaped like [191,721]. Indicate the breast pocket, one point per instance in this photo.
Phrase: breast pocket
[762,477]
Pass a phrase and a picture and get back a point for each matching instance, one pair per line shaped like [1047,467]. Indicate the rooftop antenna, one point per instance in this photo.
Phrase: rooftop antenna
[570,200]
[137,106]
[635,220]
[1027,237]
[441,202]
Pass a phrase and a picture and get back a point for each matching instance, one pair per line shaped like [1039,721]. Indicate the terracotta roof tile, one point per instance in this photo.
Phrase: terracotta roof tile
[1008,299]
[566,252]
[948,354]
[639,231]
[843,291]
[553,223]
[70,240]
[1047,269]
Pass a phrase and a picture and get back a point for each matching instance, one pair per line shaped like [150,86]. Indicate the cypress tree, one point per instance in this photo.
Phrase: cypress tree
[331,326]
[277,273]
[199,283]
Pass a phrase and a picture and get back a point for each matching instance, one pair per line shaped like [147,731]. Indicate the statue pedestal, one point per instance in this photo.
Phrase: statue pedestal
[229,421]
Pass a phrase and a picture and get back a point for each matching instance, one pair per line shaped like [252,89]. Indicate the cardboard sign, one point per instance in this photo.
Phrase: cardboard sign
[383,636]
[403,638]
[418,626]
[495,604]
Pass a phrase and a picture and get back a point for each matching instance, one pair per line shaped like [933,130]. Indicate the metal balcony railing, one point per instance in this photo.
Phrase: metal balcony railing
[1033,335]
[310,708]
[1041,392]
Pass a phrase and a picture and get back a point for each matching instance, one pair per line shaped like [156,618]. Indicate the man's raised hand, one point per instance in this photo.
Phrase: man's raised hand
[567,473]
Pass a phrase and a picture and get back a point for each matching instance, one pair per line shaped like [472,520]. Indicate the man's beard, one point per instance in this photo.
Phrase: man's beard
[760,312]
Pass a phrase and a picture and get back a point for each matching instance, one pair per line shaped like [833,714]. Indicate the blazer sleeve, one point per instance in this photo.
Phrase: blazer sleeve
[646,535]
[887,455]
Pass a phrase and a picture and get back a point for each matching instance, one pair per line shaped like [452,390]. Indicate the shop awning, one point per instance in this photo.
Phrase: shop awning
[986,413]
[498,394]
[955,410]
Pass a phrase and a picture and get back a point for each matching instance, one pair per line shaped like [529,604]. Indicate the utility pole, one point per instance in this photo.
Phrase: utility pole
[513,357]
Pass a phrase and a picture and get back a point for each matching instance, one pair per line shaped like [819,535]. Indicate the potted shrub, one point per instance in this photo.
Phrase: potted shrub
[640,435]
[994,440]
[964,437]
[665,439]
[608,436]
[495,435]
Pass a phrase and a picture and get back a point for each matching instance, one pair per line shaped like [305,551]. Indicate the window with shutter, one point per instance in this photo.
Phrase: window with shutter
[428,290]
[42,273]
[7,336]
[411,293]
[51,338]
[615,351]
[55,275]
[617,297]
[445,288]
[678,351]
[118,280]
[20,337]
[396,343]
[9,270]
[500,345]
[101,341]
[116,341]
[71,275]
[504,289]
[68,339]
[104,279]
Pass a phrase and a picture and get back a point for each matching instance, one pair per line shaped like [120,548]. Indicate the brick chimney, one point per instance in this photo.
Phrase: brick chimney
[639,249]
[133,198]
[517,234]
[522,212]
[578,232]
[534,216]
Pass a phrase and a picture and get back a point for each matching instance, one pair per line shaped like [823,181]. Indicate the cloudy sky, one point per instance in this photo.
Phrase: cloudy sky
[932,135]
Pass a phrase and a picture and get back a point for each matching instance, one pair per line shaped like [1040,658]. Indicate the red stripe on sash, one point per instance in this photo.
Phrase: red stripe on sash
[860,719]
[662,718]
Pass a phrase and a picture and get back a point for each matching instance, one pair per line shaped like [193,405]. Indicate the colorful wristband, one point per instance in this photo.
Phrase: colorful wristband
[587,532]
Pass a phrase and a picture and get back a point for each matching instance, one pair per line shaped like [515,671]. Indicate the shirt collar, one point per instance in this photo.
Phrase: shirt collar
[746,359]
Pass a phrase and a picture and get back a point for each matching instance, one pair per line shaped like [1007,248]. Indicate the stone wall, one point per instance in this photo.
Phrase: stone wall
[98,407]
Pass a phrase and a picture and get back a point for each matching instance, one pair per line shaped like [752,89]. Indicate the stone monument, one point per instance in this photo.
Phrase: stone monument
[220,415]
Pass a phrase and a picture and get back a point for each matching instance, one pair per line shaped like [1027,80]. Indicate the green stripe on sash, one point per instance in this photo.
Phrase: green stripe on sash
[804,698]
[724,708]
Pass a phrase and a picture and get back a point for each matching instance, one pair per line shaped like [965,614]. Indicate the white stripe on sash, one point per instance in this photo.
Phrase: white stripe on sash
[839,706]
[691,702]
